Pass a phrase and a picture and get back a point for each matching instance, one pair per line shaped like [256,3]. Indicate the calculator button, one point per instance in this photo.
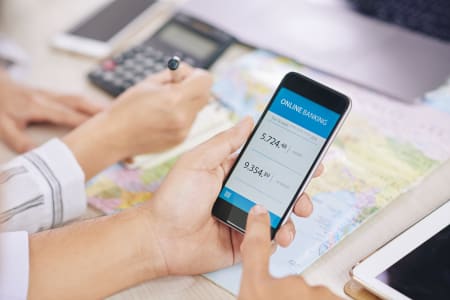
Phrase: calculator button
[128,75]
[148,63]
[108,76]
[159,66]
[108,65]
[149,50]
[119,69]
[129,63]
[118,81]
[140,57]
[158,54]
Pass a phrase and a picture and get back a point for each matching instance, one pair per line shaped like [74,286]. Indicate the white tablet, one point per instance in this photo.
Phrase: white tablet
[415,264]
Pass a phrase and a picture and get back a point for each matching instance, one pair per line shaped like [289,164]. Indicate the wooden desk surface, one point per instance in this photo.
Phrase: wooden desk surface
[32,23]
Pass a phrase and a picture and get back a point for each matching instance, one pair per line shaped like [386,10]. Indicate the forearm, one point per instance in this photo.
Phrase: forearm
[93,259]
[95,145]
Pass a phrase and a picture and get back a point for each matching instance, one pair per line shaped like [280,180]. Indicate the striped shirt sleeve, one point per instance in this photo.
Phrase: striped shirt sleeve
[41,189]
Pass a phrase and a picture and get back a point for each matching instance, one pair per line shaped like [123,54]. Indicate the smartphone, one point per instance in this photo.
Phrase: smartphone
[281,155]
[97,34]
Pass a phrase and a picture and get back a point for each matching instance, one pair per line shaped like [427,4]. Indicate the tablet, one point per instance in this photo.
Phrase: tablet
[415,264]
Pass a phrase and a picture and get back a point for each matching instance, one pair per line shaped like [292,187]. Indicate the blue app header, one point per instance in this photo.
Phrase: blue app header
[304,112]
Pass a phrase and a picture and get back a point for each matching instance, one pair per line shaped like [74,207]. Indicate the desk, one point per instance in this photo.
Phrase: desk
[32,23]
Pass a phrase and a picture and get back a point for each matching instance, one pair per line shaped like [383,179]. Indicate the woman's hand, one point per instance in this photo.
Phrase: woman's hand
[179,216]
[257,283]
[152,116]
[21,106]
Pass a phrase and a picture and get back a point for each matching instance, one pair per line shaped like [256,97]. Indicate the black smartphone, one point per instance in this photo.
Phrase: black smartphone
[281,155]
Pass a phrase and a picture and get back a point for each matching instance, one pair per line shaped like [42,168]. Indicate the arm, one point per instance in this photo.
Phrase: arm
[93,259]
[96,258]
[150,117]
[113,135]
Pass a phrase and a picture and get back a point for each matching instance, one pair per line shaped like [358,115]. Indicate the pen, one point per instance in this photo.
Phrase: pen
[174,63]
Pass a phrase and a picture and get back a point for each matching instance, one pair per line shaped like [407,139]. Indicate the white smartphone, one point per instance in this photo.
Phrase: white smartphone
[97,34]
[415,264]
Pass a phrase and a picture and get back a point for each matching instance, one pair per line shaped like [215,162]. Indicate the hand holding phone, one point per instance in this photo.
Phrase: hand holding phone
[179,214]
[281,155]
[256,251]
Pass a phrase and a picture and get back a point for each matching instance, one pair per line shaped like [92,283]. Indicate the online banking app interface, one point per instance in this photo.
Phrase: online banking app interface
[280,154]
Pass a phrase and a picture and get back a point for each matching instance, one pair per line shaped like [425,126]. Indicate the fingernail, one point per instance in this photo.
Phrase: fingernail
[258,210]
[291,236]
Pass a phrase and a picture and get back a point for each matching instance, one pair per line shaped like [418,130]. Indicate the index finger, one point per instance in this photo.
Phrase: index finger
[256,247]
[195,85]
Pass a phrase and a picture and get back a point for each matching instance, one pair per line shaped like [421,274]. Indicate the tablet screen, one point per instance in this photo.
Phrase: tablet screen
[425,272]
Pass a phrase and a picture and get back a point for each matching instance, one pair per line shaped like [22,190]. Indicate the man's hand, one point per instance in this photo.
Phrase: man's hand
[190,240]
[157,114]
[257,283]
[21,106]
[150,117]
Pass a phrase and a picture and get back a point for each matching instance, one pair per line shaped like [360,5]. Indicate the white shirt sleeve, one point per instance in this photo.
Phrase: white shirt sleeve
[14,265]
[38,190]
[41,189]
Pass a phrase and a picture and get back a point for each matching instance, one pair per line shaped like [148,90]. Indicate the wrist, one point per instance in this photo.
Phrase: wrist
[94,145]
[147,244]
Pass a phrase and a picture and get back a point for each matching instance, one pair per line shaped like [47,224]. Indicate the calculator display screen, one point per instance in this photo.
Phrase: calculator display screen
[188,41]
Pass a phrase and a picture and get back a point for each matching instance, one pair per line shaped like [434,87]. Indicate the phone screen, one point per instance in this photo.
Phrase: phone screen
[280,155]
[111,19]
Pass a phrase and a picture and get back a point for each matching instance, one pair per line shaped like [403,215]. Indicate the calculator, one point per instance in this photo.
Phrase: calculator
[195,42]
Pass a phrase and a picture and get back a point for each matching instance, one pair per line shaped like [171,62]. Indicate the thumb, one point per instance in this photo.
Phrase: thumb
[215,151]
[14,137]
[256,247]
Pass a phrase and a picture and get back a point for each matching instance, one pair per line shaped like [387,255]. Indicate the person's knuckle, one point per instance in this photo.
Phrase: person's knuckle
[30,99]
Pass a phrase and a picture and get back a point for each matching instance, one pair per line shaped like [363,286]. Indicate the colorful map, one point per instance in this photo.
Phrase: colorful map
[118,187]
[246,89]
[383,149]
